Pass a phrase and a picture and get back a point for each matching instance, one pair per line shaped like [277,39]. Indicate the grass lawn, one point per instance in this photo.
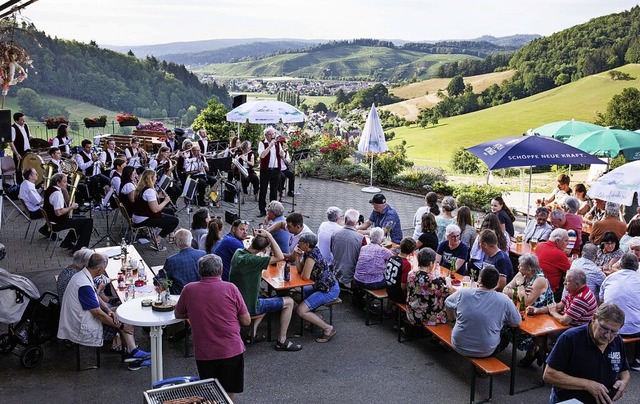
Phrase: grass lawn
[580,100]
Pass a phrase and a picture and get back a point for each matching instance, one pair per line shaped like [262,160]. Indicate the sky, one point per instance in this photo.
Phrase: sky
[146,22]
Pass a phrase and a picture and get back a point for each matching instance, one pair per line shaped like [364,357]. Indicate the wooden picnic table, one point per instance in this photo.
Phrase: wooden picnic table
[271,276]
[518,249]
[536,326]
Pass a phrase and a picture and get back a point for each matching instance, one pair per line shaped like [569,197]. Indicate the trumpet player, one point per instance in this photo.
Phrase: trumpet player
[31,198]
[197,167]
[58,210]
[90,165]
[108,156]
[135,155]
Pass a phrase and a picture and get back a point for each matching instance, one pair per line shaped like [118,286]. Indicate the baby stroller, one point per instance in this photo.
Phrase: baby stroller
[32,318]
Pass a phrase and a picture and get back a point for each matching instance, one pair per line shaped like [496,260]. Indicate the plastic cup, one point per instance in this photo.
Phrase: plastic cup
[466,282]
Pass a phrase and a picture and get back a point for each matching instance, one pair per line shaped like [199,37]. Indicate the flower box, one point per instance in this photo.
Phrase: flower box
[54,125]
[129,122]
[95,124]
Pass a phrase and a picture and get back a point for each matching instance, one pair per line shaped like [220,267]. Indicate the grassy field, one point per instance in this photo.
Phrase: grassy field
[343,61]
[580,100]
[423,94]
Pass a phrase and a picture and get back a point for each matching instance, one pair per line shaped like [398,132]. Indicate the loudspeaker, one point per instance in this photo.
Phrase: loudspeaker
[5,125]
[230,217]
[239,100]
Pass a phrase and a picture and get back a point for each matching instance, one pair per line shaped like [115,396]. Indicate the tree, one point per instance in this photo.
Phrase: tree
[624,109]
[214,120]
[456,86]
[320,107]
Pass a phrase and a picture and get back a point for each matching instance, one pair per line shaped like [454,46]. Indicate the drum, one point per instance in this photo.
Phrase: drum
[32,160]
[40,144]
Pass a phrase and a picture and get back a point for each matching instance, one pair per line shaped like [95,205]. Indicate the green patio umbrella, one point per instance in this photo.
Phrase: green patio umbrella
[562,130]
[608,142]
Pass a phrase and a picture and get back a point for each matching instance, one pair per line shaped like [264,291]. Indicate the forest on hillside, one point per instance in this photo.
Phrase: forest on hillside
[601,44]
[145,87]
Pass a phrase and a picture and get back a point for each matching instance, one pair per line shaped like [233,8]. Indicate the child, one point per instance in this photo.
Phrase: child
[398,268]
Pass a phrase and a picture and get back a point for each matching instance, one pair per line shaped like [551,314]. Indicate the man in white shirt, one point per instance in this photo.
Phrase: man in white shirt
[20,145]
[31,198]
[58,213]
[335,219]
[270,153]
[108,156]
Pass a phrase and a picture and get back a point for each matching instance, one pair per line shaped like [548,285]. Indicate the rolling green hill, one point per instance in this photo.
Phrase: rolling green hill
[351,61]
[579,100]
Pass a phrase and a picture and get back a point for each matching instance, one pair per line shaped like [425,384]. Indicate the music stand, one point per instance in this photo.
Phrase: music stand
[218,145]
[3,196]
[295,159]
[189,193]
[219,164]
[105,204]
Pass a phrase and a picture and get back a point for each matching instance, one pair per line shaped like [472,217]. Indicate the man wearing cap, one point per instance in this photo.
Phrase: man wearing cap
[381,216]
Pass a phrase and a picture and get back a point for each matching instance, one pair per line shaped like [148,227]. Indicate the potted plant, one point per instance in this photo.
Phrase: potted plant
[97,122]
[53,123]
[127,120]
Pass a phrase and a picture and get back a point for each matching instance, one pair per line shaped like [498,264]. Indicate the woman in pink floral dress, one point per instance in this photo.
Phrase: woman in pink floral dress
[426,292]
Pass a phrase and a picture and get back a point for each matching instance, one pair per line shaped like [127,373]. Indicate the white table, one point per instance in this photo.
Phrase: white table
[132,312]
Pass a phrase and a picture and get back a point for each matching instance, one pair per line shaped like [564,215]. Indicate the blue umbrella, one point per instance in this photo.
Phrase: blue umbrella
[527,151]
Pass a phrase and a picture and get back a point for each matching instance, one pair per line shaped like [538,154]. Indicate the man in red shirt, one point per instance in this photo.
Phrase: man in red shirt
[571,222]
[218,347]
[553,261]
[578,305]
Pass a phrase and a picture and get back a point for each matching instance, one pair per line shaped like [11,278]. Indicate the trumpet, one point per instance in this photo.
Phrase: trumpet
[75,180]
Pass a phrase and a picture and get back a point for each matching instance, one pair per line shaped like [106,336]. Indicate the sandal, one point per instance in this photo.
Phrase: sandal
[256,339]
[287,345]
[326,337]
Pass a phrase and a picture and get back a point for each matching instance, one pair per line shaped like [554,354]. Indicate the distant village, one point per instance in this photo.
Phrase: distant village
[274,85]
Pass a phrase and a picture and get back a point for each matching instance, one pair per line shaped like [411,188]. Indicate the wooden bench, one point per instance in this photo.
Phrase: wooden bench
[150,144]
[371,295]
[630,340]
[401,311]
[489,366]
[322,307]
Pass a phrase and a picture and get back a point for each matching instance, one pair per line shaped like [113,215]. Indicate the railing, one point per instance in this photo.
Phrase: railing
[79,132]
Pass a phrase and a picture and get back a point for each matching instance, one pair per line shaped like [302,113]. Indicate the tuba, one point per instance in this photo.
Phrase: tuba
[75,180]
[49,170]
[68,166]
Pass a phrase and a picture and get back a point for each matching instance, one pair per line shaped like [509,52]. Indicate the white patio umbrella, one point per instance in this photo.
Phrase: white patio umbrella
[618,185]
[372,141]
[265,112]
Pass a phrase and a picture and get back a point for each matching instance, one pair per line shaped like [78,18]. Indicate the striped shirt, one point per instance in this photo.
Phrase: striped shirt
[580,306]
